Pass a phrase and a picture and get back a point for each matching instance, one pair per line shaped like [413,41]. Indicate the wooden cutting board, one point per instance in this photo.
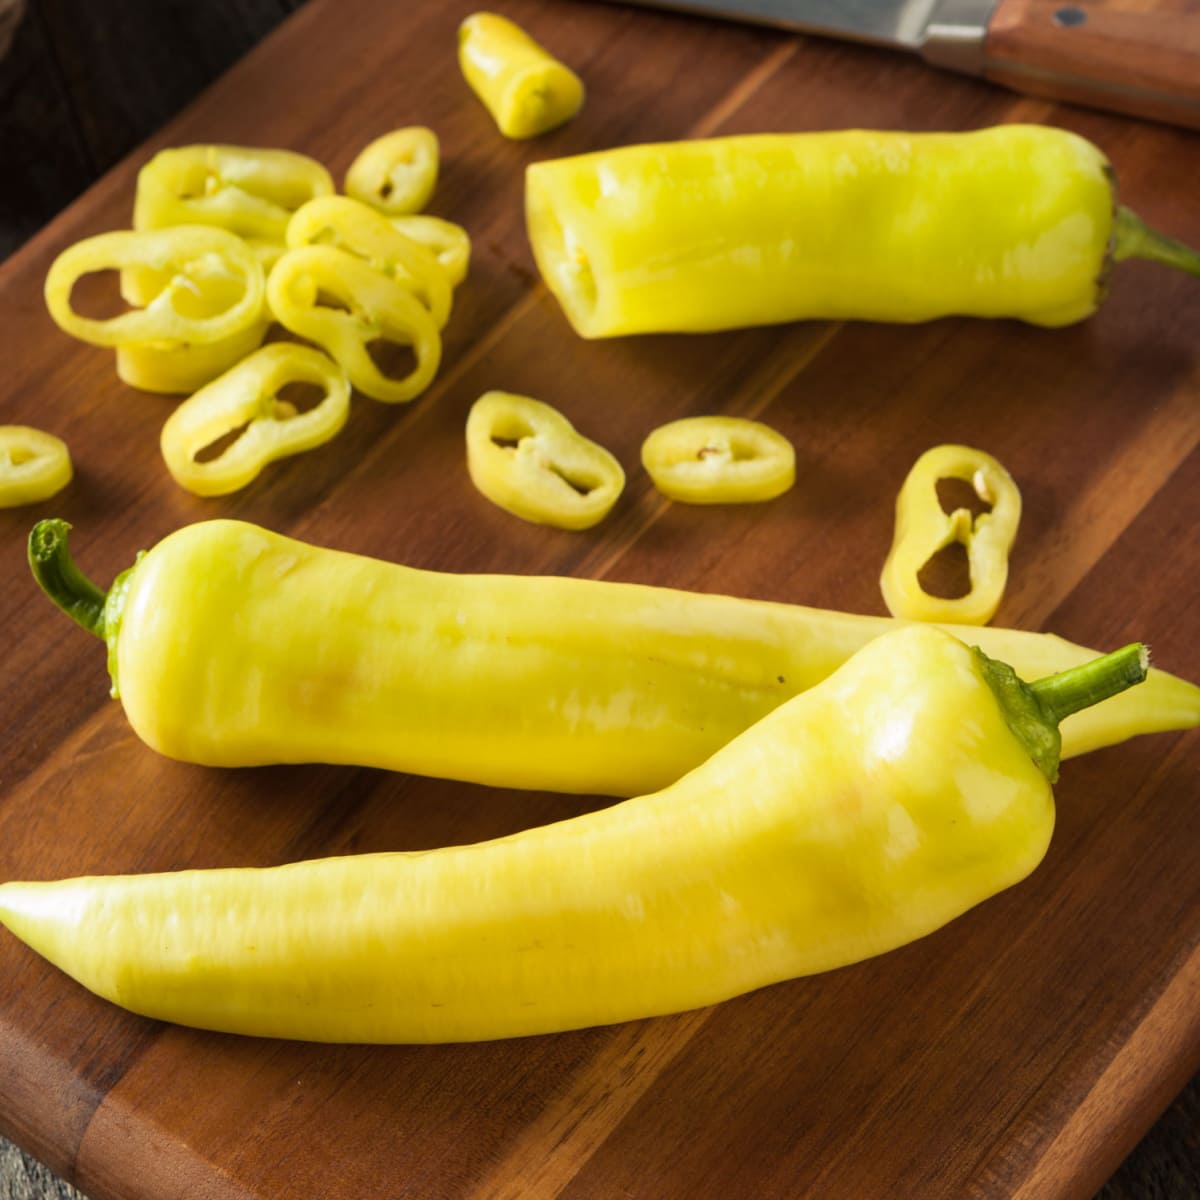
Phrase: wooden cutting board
[1018,1052]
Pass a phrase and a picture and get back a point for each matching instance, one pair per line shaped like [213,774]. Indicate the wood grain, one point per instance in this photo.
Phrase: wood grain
[963,1065]
[1132,56]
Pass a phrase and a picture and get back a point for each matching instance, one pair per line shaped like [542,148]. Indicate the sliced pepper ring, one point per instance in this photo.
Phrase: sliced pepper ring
[34,465]
[526,457]
[719,460]
[923,527]
[449,243]
[344,305]
[248,396]
[248,191]
[396,173]
[358,229]
[196,260]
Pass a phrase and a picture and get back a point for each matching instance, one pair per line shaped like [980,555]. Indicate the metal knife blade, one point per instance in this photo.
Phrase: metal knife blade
[949,33]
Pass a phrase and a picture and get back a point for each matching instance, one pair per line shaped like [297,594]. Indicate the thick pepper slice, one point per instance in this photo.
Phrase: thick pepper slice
[34,465]
[198,261]
[911,786]
[572,685]
[248,191]
[530,460]
[247,398]
[396,173]
[178,368]
[525,88]
[345,305]
[923,527]
[358,229]
[719,460]
[1015,221]
[449,243]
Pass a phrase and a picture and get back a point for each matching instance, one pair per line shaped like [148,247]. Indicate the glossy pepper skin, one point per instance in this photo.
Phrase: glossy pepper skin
[855,818]
[1014,221]
[570,685]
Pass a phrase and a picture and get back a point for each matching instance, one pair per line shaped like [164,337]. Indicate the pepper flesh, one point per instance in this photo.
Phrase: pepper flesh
[34,465]
[526,457]
[248,395]
[525,88]
[719,460]
[248,191]
[396,173]
[571,685]
[198,260]
[1014,221]
[344,304]
[358,229]
[857,817]
[923,528]
[449,243]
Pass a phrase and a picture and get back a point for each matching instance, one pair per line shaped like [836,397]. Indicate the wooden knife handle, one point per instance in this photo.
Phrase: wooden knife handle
[1133,56]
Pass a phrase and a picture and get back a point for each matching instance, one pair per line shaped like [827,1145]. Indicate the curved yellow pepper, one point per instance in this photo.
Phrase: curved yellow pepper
[719,460]
[557,683]
[854,819]
[526,457]
[358,229]
[247,397]
[923,527]
[1014,221]
[199,263]
[396,173]
[248,191]
[34,465]
[345,305]
[449,243]
[526,89]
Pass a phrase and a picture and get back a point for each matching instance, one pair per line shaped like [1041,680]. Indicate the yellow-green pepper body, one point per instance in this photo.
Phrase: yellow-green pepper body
[235,646]
[756,229]
[855,818]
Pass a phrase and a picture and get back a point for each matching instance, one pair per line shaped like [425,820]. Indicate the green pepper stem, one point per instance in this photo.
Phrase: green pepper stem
[1032,711]
[1080,687]
[1133,238]
[61,580]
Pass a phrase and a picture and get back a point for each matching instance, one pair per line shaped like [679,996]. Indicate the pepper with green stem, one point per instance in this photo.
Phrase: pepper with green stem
[572,685]
[855,818]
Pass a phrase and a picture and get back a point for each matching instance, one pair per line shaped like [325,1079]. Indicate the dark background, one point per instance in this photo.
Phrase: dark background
[82,86]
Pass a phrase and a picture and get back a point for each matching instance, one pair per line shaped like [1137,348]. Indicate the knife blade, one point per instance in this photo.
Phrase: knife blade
[1138,57]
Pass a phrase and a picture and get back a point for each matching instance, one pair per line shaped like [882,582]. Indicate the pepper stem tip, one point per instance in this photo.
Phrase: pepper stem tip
[61,580]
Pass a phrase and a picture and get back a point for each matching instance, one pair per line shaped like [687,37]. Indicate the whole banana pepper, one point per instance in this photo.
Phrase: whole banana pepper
[909,786]
[1015,221]
[571,685]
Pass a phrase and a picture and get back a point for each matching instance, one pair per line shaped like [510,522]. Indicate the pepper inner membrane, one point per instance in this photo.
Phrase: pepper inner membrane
[947,573]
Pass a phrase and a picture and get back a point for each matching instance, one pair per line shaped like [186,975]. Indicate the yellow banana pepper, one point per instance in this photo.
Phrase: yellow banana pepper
[199,263]
[923,528]
[396,173]
[526,89]
[449,243]
[1016,221]
[346,306]
[248,191]
[908,787]
[358,229]
[34,465]
[565,684]
[529,459]
[246,398]
[719,460]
